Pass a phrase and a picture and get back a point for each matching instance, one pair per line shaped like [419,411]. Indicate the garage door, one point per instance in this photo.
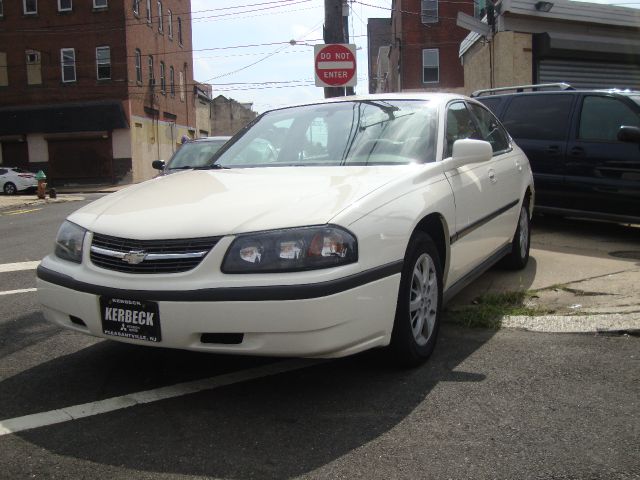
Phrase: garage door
[80,160]
[15,154]
[581,74]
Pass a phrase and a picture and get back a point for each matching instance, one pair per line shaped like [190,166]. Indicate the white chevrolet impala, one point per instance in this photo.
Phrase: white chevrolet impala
[321,230]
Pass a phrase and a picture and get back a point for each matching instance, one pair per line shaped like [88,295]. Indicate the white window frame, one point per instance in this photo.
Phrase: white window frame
[163,78]
[100,63]
[149,11]
[63,64]
[437,65]
[24,8]
[68,9]
[169,23]
[427,11]
[172,81]
[152,75]
[180,31]
[136,7]
[138,65]
[160,19]
[98,4]
[181,86]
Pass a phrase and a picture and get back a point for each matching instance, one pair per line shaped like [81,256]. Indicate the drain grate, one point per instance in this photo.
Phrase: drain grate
[627,254]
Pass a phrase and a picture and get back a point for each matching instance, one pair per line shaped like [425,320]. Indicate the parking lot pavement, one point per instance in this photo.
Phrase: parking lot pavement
[581,277]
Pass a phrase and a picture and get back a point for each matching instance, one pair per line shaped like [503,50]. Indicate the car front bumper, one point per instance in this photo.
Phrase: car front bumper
[325,320]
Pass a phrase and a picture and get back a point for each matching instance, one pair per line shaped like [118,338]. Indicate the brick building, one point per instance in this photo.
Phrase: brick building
[424,45]
[92,91]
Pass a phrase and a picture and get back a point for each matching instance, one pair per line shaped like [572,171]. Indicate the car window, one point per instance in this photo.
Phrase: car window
[635,98]
[601,118]
[538,117]
[460,125]
[196,154]
[373,132]
[490,128]
[3,171]
[491,103]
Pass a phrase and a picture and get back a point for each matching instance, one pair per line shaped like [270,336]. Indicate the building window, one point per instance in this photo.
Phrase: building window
[1,9]
[103,63]
[163,80]
[138,66]
[170,23]
[160,20]
[30,7]
[149,11]
[430,65]
[4,71]
[479,8]
[152,78]
[100,4]
[429,11]
[136,7]
[34,67]
[181,80]
[64,5]
[68,64]
[179,30]
[172,81]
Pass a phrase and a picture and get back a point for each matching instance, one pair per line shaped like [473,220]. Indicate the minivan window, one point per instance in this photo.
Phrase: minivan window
[491,103]
[602,117]
[490,128]
[538,117]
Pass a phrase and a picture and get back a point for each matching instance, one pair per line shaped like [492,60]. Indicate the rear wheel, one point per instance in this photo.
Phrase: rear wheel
[10,188]
[419,304]
[521,241]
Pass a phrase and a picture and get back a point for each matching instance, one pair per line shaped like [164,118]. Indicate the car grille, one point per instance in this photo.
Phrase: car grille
[160,256]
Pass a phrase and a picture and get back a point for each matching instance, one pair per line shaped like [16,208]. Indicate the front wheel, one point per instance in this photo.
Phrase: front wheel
[10,188]
[418,310]
[521,242]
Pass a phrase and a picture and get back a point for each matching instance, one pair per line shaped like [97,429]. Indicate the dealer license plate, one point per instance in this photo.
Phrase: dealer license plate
[133,319]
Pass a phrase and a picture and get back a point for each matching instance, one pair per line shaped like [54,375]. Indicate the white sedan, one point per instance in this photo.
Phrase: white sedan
[15,179]
[323,230]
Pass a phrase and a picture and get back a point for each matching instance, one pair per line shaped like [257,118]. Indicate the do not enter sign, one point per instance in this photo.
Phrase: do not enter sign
[335,65]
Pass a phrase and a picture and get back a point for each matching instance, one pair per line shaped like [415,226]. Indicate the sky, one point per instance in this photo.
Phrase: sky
[283,73]
[242,47]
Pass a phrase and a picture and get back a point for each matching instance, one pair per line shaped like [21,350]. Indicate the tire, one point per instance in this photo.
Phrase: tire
[419,305]
[10,189]
[521,243]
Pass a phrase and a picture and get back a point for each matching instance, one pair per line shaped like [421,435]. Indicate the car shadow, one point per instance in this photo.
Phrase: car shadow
[272,427]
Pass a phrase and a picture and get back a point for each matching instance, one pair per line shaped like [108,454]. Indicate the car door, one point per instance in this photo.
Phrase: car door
[539,123]
[602,173]
[479,229]
[3,177]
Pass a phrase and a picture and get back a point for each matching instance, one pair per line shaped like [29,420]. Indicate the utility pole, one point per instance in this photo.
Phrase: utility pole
[333,33]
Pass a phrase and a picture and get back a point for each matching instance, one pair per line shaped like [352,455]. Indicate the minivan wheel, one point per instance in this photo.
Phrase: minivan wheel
[10,188]
[418,309]
[519,256]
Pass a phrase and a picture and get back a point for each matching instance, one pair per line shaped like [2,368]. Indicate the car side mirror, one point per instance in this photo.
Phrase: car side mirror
[629,134]
[158,164]
[468,151]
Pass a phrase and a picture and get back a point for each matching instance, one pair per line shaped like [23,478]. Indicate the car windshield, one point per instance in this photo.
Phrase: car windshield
[635,98]
[373,132]
[195,154]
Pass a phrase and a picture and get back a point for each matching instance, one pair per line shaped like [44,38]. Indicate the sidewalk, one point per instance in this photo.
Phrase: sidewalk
[64,194]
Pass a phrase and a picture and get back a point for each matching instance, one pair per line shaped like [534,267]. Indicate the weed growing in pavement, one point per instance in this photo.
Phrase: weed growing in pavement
[488,310]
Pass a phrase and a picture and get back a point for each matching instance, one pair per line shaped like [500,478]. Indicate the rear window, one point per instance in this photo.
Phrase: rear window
[538,117]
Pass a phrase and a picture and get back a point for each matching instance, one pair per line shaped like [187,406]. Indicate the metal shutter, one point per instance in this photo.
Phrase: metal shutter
[589,74]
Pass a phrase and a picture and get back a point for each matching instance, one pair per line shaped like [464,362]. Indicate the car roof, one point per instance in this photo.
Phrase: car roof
[573,91]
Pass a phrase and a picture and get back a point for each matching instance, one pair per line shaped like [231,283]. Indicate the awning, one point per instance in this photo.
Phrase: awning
[65,118]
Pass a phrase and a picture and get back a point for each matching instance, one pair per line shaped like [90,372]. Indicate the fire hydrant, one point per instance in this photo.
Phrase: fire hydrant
[42,184]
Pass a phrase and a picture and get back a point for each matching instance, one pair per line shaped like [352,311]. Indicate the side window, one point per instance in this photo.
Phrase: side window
[491,103]
[602,117]
[538,117]
[460,125]
[3,171]
[490,129]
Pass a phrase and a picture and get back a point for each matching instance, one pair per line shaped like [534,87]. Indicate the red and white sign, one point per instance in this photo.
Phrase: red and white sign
[335,65]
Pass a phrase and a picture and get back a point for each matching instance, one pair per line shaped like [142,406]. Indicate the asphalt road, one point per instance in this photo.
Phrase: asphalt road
[489,404]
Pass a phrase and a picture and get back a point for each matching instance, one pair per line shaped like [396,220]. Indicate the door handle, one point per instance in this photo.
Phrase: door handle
[553,149]
[492,175]
[577,152]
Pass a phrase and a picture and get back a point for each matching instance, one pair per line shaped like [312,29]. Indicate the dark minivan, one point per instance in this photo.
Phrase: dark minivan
[571,137]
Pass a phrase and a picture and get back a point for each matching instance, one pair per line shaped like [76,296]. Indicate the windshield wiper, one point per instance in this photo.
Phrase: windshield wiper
[213,166]
[186,167]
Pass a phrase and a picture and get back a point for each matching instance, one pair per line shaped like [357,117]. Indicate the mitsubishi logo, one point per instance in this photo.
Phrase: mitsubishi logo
[134,257]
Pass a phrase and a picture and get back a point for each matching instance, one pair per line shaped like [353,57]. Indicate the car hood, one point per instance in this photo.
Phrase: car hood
[220,202]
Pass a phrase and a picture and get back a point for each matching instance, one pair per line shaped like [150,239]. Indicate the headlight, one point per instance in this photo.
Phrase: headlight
[69,242]
[291,250]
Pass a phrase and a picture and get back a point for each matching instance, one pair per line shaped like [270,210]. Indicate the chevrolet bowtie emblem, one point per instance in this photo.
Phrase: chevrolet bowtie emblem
[134,257]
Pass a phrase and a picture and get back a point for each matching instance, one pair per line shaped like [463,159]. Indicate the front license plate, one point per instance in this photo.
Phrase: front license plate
[133,319]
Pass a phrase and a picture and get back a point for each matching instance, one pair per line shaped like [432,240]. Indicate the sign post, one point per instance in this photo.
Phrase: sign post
[335,65]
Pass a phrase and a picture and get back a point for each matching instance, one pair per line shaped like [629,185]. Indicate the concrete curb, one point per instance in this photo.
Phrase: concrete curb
[20,202]
[575,324]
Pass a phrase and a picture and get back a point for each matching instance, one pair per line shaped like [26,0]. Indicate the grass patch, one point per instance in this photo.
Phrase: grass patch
[488,310]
